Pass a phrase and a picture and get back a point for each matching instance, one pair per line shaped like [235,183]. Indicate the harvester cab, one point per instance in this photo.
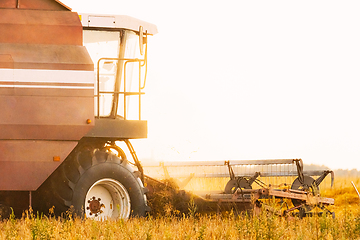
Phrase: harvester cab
[118,47]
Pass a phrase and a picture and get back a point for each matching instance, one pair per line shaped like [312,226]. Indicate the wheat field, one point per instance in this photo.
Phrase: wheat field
[194,225]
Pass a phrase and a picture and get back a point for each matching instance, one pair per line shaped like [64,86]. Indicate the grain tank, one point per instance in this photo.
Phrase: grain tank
[64,106]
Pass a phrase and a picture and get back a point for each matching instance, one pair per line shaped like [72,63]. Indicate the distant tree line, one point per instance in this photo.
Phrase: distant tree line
[338,172]
[347,173]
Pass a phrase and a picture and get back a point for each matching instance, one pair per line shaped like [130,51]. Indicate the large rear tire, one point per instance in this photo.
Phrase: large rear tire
[93,183]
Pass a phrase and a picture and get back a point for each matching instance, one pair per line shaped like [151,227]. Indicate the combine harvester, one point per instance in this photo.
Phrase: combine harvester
[56,135]
[66,81]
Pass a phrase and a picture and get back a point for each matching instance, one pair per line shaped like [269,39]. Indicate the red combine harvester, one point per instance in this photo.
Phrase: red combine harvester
[66,81]
[54,143]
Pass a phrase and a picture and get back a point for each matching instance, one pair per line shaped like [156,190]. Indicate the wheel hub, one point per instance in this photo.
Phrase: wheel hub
[107,198]
[95,206]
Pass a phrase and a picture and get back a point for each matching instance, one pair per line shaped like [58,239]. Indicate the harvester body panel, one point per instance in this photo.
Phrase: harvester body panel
[54,5]
[46,90]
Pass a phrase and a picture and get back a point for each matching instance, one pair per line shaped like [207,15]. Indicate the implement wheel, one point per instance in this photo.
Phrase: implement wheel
[233,184]
[308,186]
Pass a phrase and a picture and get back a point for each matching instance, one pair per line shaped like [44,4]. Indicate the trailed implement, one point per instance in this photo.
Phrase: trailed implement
[250,184]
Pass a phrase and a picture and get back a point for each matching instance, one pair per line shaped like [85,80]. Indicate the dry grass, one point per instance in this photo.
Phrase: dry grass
[192,225]
[266,226]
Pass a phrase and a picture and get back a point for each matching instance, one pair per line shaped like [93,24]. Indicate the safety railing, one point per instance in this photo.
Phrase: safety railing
[125,93]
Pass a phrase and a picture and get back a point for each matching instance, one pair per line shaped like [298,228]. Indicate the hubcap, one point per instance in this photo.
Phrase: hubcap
[95,206]
[107,199]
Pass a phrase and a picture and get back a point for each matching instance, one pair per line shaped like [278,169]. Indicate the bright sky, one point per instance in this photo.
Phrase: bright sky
[249,79]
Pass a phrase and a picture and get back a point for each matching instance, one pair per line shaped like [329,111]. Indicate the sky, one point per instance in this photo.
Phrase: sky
[233,80]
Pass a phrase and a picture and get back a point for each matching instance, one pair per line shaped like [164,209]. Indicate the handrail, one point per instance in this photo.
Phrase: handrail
[141,62]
